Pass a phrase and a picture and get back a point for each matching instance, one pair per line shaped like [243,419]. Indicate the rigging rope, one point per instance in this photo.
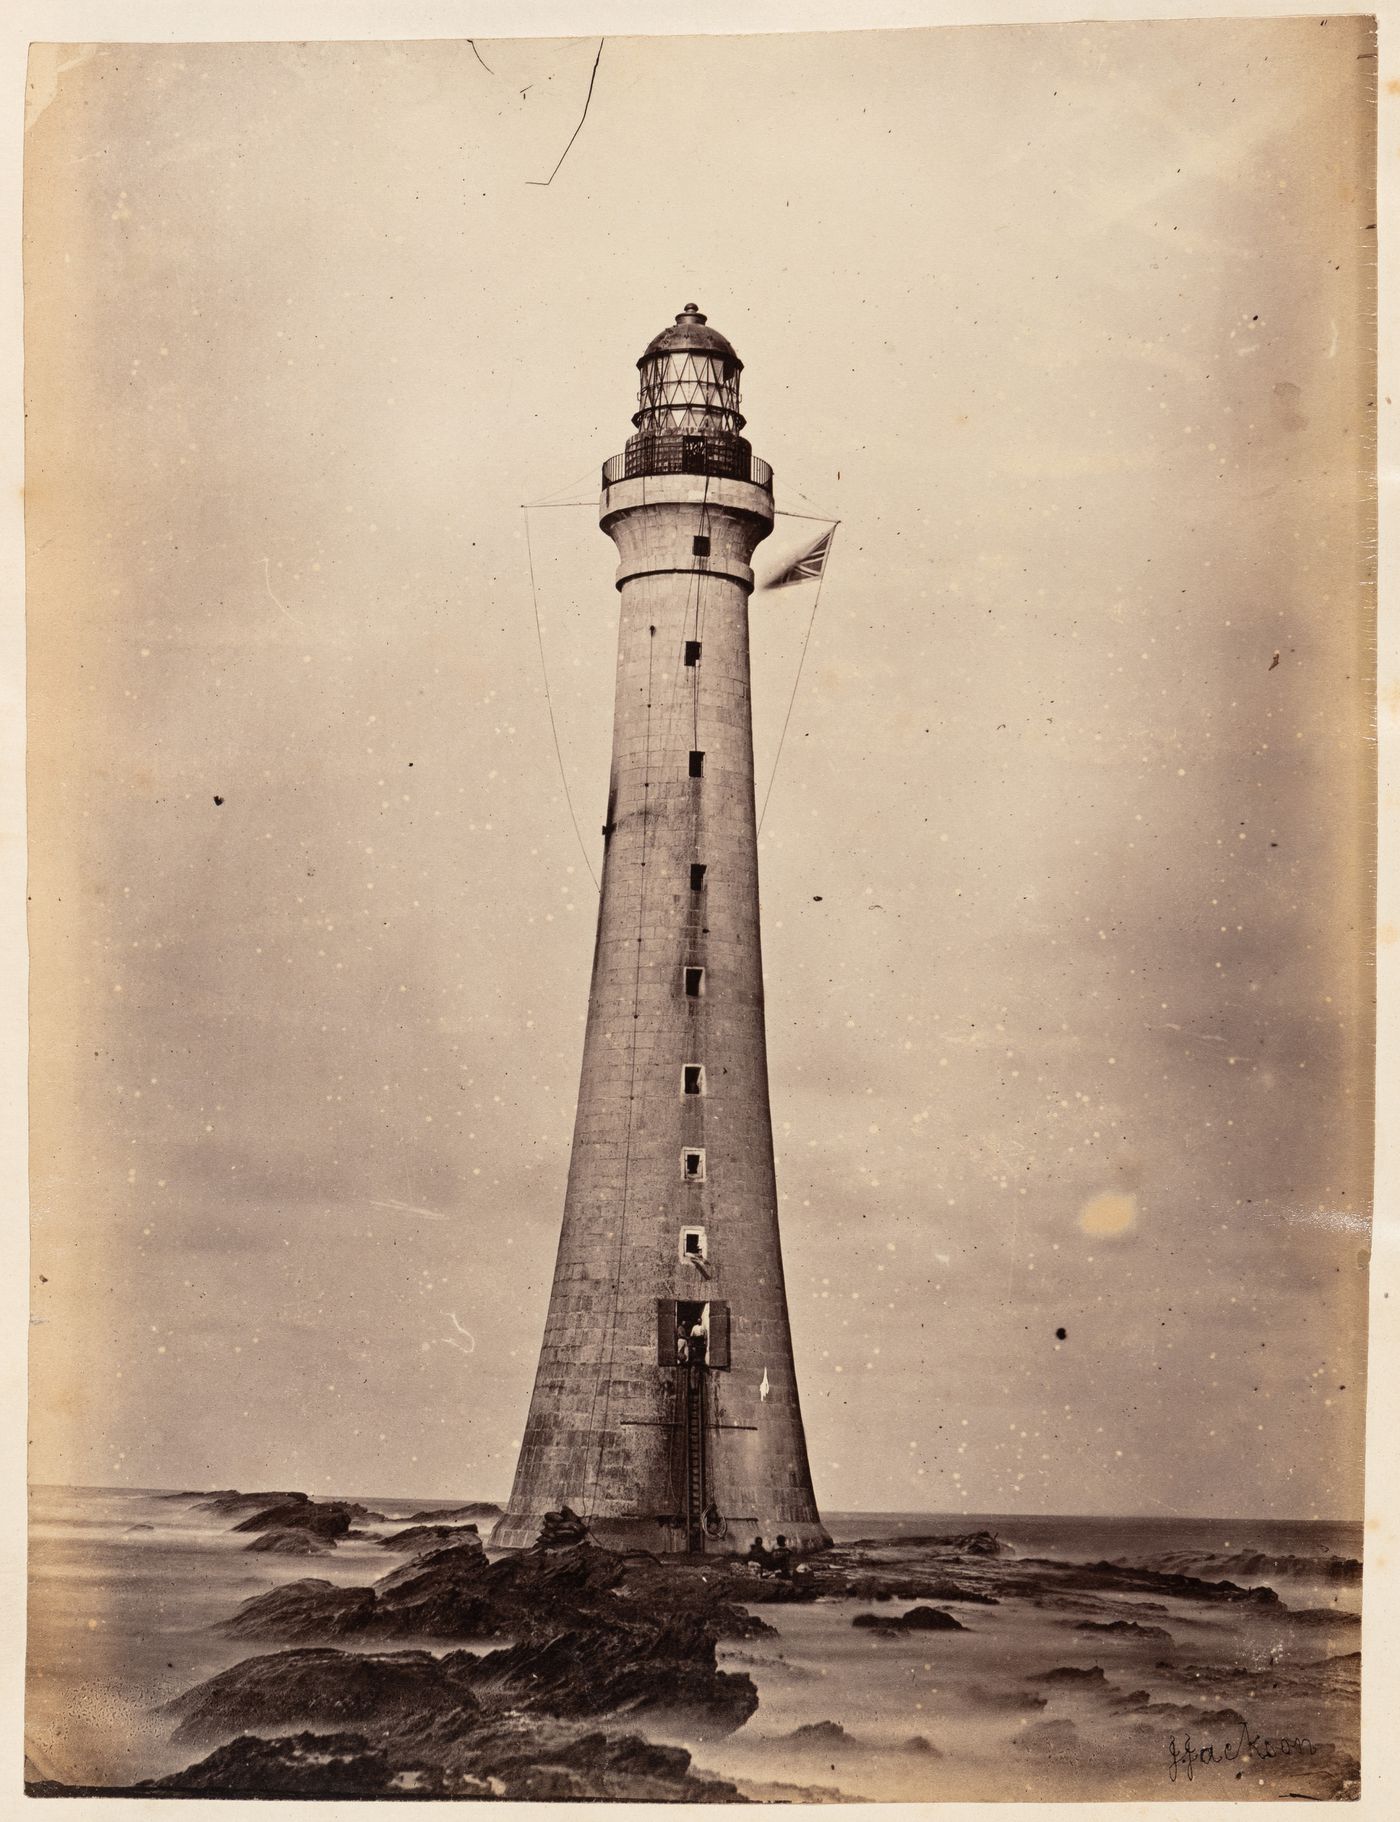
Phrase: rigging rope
[544,672]
[552,497]
[825,517]
[802,659]
[535,505]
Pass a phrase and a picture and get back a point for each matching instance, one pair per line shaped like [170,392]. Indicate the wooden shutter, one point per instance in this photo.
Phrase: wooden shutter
[717,1354]
[666,1331]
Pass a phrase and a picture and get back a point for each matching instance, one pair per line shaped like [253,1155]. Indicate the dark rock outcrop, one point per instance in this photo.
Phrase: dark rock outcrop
[1058,1740]
[286,1511]
[1250,1564]
[229,1503]
[924,1587]
[819,1733]
[930,1619]
[302,1765]
[966,1543]
[418,1538]
[304,1610]
[327,1519]
[541,1763]
[1188,1714]
[442,1515]
[1122,1629]
[917,1619]
[326,1688]
[1072,1676]
[1069,1679]
[647,1667]
[1115,1578]
[291,1543]
[560,1529]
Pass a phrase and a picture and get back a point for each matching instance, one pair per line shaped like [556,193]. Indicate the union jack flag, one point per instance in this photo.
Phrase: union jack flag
[809,565]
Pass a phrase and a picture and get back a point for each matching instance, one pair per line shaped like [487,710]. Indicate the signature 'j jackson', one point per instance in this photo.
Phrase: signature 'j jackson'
[1241,1747]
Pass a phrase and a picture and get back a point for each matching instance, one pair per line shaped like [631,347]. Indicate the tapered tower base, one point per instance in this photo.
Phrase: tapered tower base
[517,1531]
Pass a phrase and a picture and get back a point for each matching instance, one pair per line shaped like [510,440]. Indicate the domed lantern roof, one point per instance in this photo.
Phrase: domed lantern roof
[691,333]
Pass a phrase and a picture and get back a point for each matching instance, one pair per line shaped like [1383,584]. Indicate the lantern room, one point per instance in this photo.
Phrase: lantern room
[690,379]
[687,418]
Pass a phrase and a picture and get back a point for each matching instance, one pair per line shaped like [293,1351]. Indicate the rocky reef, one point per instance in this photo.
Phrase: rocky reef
[594,1637]
[283,1523]
[536,1674]
[458,1592]
[497,1759]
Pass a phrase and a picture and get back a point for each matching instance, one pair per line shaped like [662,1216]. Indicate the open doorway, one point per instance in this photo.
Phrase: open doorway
[692,1333]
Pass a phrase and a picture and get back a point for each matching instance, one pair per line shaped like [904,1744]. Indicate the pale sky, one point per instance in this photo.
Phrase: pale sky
[1064,879]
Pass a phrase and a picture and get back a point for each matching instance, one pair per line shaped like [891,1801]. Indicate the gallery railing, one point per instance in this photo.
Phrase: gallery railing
[682,453]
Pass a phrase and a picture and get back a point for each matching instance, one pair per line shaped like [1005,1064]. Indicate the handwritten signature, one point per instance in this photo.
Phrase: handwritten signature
[1245,1745]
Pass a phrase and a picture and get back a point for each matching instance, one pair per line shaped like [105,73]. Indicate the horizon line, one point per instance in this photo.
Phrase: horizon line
[829,1511]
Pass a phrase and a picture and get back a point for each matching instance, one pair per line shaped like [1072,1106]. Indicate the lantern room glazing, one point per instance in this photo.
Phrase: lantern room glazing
[690,380]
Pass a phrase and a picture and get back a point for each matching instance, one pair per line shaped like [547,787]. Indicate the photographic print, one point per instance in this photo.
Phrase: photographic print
[701,763]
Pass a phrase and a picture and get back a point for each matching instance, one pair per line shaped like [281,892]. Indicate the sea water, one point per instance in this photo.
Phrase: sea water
[128,1589]
[933,1716]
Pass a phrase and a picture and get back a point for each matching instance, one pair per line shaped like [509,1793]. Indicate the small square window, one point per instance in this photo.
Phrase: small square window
[694,983]
[693,1078]
[693,1165]
[697,764]
[693,1245]
[697,876]
[692,651]
[700,545]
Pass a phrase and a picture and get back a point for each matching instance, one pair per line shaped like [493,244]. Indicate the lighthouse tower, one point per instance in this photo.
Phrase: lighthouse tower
[665,1407]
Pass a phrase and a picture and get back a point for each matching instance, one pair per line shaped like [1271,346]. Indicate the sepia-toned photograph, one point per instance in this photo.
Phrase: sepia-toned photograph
[701,767]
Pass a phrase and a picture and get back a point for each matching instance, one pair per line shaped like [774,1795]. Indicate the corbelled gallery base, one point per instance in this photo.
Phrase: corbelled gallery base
[665,1407]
